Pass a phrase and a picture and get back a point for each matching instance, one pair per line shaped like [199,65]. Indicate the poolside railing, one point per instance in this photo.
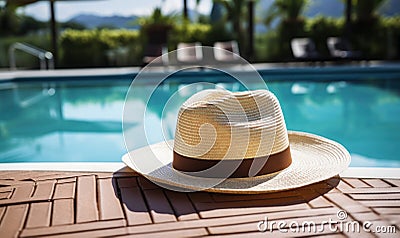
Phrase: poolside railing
[45,57]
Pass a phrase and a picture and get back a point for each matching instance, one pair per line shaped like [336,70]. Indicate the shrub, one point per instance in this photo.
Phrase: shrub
[190,33]
[96,48]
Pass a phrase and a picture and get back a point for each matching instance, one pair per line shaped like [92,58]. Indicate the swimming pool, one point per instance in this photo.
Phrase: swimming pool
[64,118]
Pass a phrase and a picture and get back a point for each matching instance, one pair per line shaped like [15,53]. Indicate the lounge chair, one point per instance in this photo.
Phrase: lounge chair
[340,48]
[153,51]
[304,49]
[225,55]
[189,52]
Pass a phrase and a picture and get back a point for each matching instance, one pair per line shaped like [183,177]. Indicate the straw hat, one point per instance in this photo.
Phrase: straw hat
[237,143]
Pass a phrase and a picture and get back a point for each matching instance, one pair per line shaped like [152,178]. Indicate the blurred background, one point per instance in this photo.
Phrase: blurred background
[114,33]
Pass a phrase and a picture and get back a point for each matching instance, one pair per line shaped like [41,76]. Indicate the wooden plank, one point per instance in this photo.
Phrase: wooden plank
[252,227]
[207,210]
[13,220]
[389,196]
[381,203]
[5,195]
[63,212]
[232,197]
[44,189]
[39,215]
[64,190]
[67,180]
[372,190]
[387,210]
[7,189]
[134,206]
[74,228]
[159,206]
[356,183]
[395,182]
[23,192]
[146,184]
[346,202]
[377,183]
[200,197]
[86,201]
[343,186]
[225,221]
[127,182]
[182,206]
[2,211]
[109,204]
[365,216]
[196,232]
[320,202]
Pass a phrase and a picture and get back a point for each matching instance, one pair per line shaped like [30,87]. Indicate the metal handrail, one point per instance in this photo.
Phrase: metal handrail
[45,57]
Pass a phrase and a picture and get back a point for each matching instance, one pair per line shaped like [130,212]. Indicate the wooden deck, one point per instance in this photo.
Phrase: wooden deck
[77,204]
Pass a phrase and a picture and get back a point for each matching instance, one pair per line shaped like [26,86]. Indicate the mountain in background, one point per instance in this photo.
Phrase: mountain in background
[94,21]
[330,8]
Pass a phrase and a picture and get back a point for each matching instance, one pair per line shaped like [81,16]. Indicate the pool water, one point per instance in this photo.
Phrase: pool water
[80,121]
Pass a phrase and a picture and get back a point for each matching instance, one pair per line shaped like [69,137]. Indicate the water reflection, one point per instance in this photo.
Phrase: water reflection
[82,121]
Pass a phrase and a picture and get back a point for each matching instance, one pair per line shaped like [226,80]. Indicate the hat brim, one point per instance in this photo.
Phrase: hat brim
[314,159]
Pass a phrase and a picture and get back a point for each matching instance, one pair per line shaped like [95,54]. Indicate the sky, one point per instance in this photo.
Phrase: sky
[68,9]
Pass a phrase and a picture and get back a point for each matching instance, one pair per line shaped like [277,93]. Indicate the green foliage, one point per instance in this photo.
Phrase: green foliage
[157,18]
[286,10]
[190,33]
[366,10]
[93,48]
[23,60]
[13,24]
[320,28]
[378,40]
[236,13]
[291,23]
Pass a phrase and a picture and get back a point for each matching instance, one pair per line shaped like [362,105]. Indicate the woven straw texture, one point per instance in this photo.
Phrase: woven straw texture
[218,124]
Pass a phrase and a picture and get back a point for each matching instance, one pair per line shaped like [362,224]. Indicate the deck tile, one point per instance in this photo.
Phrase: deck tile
[92,204]
[395,182]
[389,196]
[44,190]
[134,206]
[377,183]
[356,183]
[63,212]
[13,220]
[182,206]
[109,204]
[74,228]
[127,182]
[146,184]
[5,195]
[159,206]
[64,190]
[86,209]
[39,215]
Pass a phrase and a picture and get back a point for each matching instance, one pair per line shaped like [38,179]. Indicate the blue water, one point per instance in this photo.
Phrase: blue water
[76,121]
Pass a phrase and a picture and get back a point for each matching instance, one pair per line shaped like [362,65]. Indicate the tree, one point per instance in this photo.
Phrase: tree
[9,21]
[235,10]
[366,10]
[291,23]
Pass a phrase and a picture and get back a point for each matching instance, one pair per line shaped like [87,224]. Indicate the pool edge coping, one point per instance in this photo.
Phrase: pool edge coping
[352,172]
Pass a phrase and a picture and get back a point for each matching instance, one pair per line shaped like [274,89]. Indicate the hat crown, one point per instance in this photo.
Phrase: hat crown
[218,124]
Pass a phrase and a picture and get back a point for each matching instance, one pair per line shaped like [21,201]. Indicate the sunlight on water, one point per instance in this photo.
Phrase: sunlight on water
[69,122]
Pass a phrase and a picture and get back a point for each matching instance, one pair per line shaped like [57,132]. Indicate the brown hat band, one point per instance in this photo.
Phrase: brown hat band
[270,164]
